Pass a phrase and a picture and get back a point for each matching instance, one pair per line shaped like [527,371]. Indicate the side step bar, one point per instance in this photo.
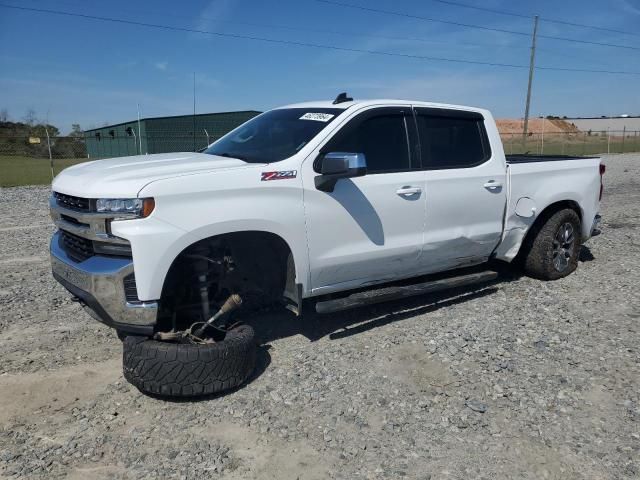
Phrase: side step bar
[385,294]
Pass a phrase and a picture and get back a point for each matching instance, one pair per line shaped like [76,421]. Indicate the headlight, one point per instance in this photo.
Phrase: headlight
[128,207]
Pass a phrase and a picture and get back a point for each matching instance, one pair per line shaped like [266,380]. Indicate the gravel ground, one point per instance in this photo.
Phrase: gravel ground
[522,379]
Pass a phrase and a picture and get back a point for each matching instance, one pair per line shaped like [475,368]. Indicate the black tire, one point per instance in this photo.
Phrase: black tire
[188,370]
[541,247]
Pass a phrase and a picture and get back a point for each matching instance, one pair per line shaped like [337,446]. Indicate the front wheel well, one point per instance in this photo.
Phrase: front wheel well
[256,265]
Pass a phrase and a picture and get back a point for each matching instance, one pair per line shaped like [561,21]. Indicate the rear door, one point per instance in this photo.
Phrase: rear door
[369,229]
[465,188]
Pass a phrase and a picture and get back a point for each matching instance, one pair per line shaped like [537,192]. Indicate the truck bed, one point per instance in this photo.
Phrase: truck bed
[524,158]
[536,181]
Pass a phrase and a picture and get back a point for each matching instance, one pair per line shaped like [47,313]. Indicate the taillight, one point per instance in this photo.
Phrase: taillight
[603,169]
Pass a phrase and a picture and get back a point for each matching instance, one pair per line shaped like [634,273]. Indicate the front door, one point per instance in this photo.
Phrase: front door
[369,229]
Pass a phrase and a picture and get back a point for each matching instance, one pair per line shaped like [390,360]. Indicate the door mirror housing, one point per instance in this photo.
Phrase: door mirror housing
[337,165]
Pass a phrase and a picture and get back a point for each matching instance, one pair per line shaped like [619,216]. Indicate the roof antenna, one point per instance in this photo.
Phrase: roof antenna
[342,98]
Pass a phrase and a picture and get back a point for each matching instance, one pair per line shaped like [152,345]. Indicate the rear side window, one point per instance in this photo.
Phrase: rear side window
[381,137]
[452,141]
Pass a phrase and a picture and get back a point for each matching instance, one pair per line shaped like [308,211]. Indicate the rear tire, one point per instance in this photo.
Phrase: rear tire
[189,370]
[553,247]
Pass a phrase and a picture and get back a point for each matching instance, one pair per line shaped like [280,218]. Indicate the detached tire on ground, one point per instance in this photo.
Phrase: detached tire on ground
[553,246]
[189,370]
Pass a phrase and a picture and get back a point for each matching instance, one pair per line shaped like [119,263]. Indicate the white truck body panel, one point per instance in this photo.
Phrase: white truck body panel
[465,210]
[545,183]
[212,204]
[364,232]
[124,177]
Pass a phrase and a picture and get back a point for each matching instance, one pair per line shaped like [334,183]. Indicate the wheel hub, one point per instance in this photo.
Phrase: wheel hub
[563,247]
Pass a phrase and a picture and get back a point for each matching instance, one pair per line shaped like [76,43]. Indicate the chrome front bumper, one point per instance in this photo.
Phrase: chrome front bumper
[98,283]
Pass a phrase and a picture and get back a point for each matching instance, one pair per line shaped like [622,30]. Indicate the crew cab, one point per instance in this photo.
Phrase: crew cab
[313,201]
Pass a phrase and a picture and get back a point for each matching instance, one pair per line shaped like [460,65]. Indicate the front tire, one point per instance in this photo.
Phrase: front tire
[189,370]
[554,246]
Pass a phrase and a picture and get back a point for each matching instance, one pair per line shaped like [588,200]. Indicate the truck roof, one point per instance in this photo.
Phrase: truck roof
[381,101]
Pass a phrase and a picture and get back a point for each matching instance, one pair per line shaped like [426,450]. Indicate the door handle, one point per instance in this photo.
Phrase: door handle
[406,191]
[493,184]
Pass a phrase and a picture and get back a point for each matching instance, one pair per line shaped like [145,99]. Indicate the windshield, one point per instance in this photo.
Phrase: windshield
[274,135]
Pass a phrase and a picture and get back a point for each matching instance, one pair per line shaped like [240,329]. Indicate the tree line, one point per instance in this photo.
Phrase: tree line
[29,138]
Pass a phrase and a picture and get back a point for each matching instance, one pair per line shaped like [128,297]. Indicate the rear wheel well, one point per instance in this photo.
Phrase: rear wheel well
[256,265]
[539,222]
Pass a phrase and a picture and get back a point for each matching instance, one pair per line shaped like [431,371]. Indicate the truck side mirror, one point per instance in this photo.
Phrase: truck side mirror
[337,165]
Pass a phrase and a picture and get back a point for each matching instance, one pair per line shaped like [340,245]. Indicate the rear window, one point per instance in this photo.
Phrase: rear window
[452,141]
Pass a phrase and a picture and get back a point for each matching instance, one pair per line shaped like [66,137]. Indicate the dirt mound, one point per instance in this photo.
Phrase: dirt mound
[536,125]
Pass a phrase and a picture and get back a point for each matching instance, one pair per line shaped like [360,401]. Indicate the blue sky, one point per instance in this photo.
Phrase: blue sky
[91,72]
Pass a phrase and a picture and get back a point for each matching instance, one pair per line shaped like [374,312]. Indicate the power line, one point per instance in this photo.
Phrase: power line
[299,44]
[546,19]
[419,17]
[470,25]
[252,37]
[386,37]
[483,9]
[393,37]
[350,33]
[381,37]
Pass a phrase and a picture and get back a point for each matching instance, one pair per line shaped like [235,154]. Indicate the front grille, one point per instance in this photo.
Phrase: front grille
[78,248]
[73,203]
[73,220]
[130,289]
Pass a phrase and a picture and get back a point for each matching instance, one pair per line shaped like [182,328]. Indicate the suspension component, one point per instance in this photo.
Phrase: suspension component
[230,304]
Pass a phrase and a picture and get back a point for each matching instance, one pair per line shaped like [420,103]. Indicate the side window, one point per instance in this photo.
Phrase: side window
[452,142]
[381,137]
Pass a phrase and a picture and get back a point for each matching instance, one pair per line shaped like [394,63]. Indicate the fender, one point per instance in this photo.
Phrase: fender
[208,205]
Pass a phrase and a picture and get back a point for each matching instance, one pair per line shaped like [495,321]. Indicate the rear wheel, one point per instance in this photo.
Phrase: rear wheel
[554,246]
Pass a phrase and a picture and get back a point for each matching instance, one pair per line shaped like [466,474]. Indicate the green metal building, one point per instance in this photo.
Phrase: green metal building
[162,134]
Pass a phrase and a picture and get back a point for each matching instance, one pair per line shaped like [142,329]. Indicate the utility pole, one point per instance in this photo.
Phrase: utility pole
[139,134]
[531,68]
[194,111]
[46,129]
[542,143]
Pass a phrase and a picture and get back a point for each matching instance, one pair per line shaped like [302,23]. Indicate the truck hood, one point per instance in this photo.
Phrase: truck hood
[124,177]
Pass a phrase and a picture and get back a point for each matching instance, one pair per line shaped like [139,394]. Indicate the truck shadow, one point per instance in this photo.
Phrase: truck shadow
[313,326]
[272,326]
[585,255]
[276,325]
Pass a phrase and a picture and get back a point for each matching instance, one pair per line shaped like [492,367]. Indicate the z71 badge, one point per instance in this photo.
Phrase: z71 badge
[279,175]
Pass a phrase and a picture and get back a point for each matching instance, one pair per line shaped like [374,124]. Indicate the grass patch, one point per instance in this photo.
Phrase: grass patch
[18,171]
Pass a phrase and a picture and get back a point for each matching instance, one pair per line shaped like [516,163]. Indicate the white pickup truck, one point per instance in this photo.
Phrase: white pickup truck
[324,200]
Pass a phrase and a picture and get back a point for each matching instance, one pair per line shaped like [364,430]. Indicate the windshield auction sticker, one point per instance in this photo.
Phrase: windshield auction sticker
[318,117]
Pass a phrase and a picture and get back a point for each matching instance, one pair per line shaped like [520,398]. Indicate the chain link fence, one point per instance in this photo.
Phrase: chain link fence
[43,147]
[107,146]
[28,160]
[572,143]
